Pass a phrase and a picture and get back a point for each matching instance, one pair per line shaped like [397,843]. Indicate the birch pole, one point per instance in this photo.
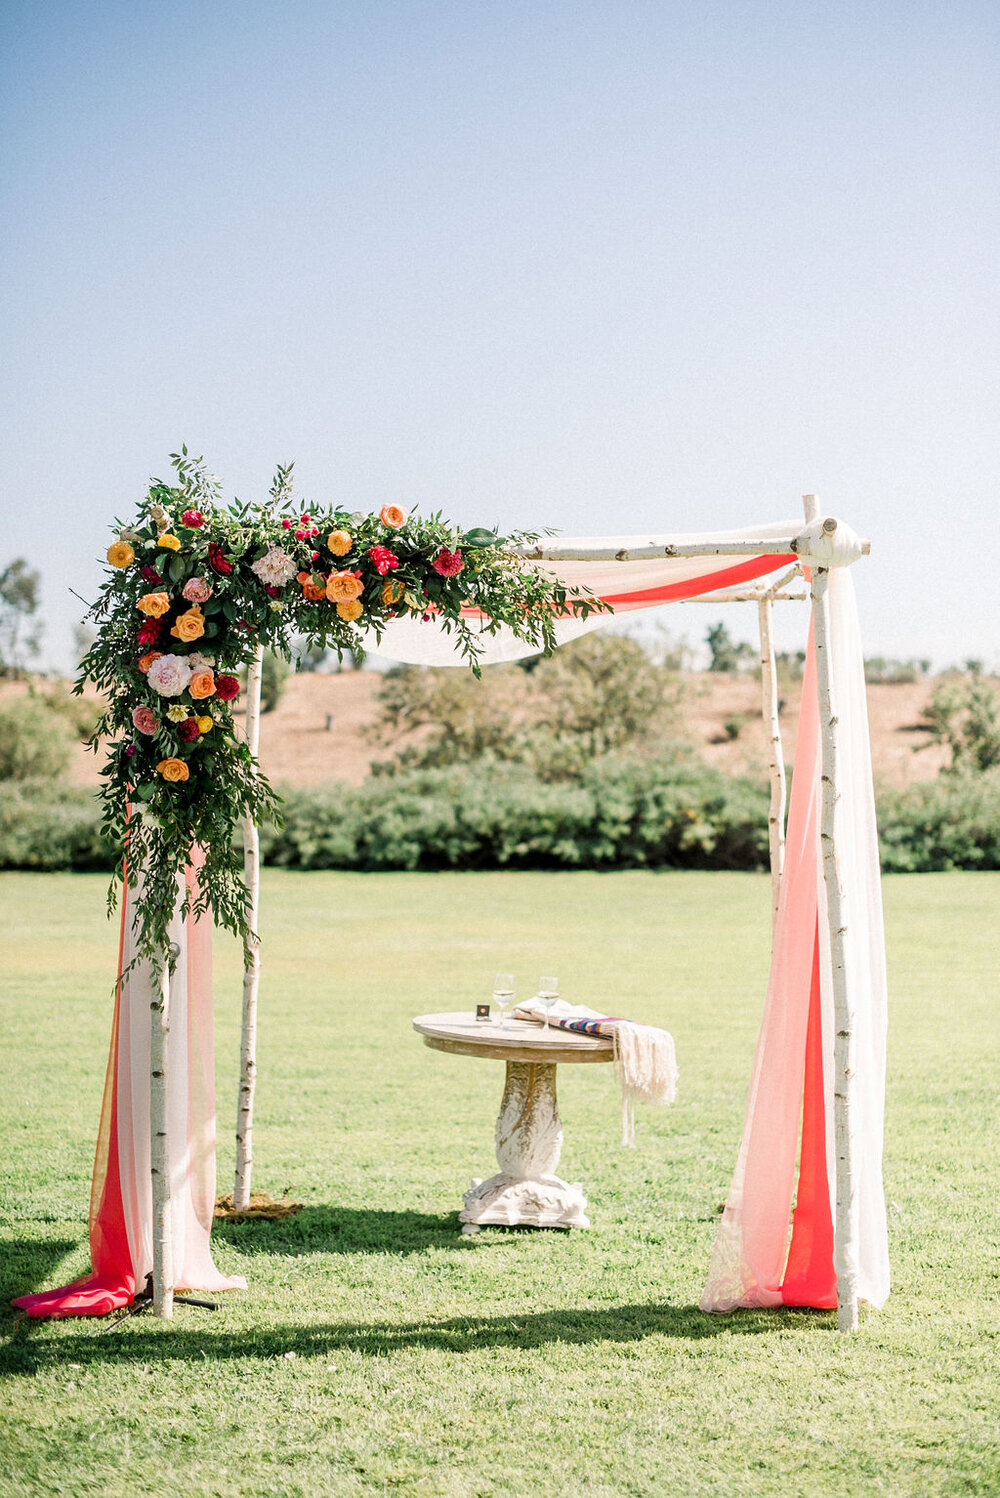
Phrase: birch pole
[159,1152]
[251,973]
[845,1232]
[775,751]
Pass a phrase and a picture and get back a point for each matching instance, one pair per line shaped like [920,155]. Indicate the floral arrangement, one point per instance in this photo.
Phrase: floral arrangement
[195,588]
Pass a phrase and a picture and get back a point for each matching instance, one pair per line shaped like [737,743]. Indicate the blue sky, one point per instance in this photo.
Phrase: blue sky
[597,266]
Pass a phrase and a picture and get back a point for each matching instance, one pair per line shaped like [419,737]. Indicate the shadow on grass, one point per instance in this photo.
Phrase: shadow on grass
[185,1340]
[344,1230]
[26,1264]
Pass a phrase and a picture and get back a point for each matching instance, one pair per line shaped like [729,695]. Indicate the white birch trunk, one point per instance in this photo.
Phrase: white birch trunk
[775,752]
[846,1213]
[251,977]
[159,1154]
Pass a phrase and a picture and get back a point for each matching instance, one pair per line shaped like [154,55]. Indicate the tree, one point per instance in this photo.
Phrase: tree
[728,654]
[965,715]
[19,633]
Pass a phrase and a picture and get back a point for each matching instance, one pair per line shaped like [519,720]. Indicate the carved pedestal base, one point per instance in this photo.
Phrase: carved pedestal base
[526,1192]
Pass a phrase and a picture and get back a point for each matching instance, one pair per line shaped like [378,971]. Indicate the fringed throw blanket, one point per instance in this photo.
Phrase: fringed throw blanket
[645,1058]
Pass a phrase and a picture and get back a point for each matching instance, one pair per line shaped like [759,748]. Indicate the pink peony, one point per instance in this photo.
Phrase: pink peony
[383,559]
[448,563]
[169,675]
[144,719]
[197,590]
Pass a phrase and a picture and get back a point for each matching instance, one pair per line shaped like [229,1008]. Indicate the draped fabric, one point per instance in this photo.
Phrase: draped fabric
[121,1209]
[787,1149]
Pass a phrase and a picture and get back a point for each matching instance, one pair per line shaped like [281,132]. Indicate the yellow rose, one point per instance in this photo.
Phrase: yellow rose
[170,542]
[190,625]
[173,769]
[120,554]
[154,604]
[205,723]
[392,592]
[350,609]
[340,542]
[342,586]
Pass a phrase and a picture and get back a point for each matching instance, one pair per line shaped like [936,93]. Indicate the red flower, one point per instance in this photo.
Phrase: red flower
[150,631]
[188,731]
[300,535]
[193,519]
[272,591]
[150,575]
[286,525]
[448,563]
[218,560]
[227,687]
[383,559]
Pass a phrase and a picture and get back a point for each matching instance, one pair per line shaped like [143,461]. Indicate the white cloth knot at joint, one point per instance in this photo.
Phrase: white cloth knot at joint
[827,542]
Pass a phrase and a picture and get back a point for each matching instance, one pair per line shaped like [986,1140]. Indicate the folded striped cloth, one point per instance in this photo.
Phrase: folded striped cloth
[645,1058]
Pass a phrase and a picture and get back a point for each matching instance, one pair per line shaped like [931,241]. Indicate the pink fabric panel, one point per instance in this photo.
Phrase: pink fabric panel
[751,1248]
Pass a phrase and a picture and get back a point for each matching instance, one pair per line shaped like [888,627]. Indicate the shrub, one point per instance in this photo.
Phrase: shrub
[952,822]
[46,826]
[34,741]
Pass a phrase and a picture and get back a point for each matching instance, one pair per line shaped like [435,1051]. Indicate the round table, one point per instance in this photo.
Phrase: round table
[525,1192]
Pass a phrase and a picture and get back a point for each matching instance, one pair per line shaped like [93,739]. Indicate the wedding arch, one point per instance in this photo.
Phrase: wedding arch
[198,589]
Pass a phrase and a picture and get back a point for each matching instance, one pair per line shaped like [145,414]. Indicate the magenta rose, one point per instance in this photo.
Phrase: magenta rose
[193,519]
[144,719]
[226,687]
[448,563]
[188,731]
[383,559]
[197,590]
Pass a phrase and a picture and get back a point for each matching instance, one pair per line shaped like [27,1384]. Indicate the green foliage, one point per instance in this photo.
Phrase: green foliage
[596,696]
[964,713]
[620,813]
[952,822]
[887,671]
[45,825]
[726,653]
[274,674]
[19,633]
[34,740]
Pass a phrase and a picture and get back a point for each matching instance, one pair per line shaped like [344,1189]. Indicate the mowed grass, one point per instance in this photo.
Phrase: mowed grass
[378,1351]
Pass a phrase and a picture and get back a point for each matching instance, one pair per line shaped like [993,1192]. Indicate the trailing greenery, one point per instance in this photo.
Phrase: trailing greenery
[195,589]
[550,1364]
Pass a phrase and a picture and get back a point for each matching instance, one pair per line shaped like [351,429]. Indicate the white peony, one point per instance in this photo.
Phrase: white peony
[275,567]
[169,675]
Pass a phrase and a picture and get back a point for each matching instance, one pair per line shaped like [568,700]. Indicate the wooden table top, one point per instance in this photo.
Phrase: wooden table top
[522,1040]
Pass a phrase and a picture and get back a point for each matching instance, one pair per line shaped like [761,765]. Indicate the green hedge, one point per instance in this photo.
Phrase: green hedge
[623,813]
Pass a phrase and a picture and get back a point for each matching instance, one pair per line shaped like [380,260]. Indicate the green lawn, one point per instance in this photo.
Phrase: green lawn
[377,1351]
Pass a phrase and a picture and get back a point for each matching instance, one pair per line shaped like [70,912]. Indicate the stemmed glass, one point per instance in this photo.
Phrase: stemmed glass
[548,994]
[503,995]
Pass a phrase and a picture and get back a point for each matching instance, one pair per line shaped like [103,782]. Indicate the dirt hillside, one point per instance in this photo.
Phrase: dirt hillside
[317,732]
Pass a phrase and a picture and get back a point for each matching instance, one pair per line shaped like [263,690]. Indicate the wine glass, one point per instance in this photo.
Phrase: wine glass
[548,994]
[503,995]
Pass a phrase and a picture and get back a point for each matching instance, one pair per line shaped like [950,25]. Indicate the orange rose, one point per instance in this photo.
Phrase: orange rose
[190,625]
[314,591]
[145,661]
[120,554]
[340,542]
[303,577]
[342,586]
[202,684]
[350,609]
[392,516]
[154,604]
[173,769]
[392,592]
